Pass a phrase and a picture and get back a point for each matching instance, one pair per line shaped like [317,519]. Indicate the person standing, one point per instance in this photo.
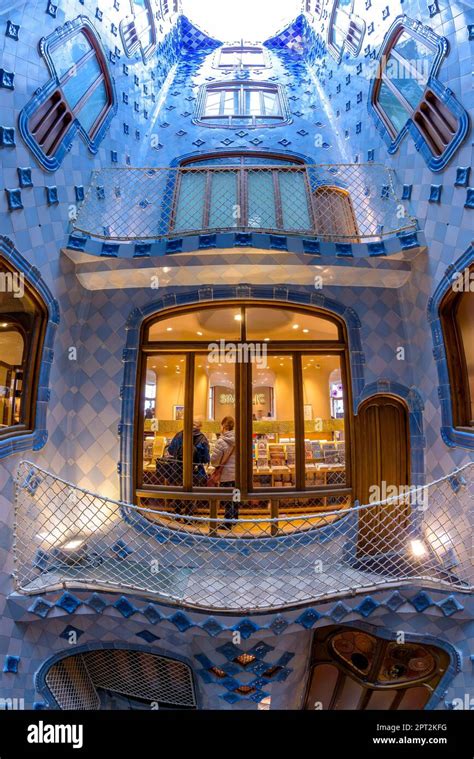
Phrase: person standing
[224,455]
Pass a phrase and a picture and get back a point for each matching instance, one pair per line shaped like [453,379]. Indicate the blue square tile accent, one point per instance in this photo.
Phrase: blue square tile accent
[14,199]
[24,177]
[339,611]
[421,601]
[394,601]
[142,249]
[121,550]
[367,606]
[311,246]
[212,627]
[279,243]
[308,618]
[450,606]
[97,603]
[68,602]
[7,137]
[406,192]
[470,31]
[174,246]
[246,628]
[79,192]
[462,176]
[11,664]
[12,30]
[376,248]
[229,650]
[66,633]
[51,195]
[469,198]
[41,608]
[51,9]
[6,79]
[181,621]
[152,614]
[370,155]
[343,249]
[125,608]
[207,241]
[435,193]
[147,636]
[242,239]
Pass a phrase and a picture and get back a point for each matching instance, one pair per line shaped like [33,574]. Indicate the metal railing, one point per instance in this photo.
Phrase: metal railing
[67,537]
[334,202]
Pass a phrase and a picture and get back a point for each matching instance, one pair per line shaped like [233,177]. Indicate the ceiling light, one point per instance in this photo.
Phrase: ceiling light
[418,548]
[238,317]
[169,329]
[306,331]
[199,333]
[5,324]
[296,326]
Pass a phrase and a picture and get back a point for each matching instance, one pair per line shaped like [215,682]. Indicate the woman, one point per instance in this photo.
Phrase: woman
[224,453]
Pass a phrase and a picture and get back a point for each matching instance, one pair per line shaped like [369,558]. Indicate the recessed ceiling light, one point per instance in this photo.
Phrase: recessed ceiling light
[306,330]
[199,333]
[169,329]
[238,317]
[296,326]
[266,339]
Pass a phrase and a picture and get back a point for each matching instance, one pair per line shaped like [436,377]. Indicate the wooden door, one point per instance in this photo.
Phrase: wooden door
[382,445]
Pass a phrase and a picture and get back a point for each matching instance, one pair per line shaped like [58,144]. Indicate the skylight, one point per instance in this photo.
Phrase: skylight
[250,20]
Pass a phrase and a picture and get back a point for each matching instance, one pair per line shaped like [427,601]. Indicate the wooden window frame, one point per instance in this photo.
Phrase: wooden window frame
[31,364]
[222,51]
[456,360]
[242,118]
[243,415]
[389,50]
[242,170]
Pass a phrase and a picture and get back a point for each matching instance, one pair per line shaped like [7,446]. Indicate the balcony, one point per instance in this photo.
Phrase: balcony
[66,537]
[349,203]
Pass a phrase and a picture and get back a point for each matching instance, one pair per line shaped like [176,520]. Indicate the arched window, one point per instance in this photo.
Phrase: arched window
[242,103]
[240,56]
[138,31]
[334,214]
[240,191]
[79,97]
[268,368]
[457,321]
[345,29]
[407,96]
[357,670]
[23,319]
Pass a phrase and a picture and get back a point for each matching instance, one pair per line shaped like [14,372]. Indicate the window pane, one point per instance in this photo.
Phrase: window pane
[465,321]
[323,398]
[93,107]
[252,102]
[208,325]
[12,350]
[420,56]
[223,210]
[400,76]
[215,410]
[213,101]
[69,53]
[252,58]
[163,409]
[19,316]
[231,102]
[271,104]
[270,324]
[392,108]
[294,200]
[261,198]
[273,423]
[78,84]
[190,205]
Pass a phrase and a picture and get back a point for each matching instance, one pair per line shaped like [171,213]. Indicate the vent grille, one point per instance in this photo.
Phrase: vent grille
[73,681]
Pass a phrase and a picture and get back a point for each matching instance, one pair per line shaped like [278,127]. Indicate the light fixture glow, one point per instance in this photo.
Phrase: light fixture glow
[418,548]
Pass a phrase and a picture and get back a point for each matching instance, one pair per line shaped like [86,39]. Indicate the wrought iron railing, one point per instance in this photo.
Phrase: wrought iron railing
[334,202]
[67,537]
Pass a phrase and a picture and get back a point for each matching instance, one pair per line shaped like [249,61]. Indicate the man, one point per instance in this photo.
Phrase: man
[201,457]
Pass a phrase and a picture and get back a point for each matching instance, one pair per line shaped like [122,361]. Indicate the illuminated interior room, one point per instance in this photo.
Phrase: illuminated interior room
[236,355]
